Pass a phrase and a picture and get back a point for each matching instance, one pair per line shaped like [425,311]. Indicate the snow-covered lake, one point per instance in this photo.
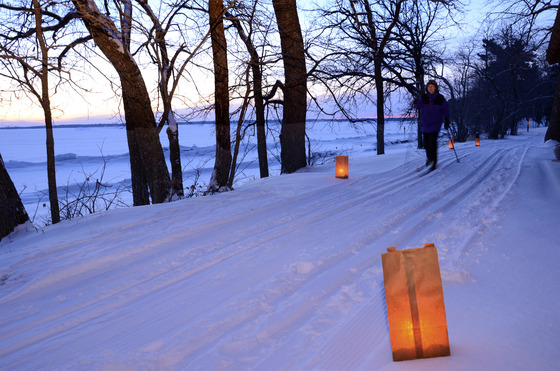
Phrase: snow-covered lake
[81,151]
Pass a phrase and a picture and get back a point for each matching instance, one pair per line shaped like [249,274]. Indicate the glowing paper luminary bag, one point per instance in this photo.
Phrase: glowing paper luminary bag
[415,307]
[342,167]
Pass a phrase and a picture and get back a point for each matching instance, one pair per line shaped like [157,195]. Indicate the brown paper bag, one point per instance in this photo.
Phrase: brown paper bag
[415,307]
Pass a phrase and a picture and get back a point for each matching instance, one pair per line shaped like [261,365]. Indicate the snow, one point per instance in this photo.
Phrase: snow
[285,272]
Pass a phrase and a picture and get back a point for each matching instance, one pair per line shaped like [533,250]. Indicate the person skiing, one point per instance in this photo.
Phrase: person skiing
[434,110]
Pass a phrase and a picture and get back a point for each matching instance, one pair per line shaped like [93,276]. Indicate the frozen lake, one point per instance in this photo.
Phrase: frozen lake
[100,152]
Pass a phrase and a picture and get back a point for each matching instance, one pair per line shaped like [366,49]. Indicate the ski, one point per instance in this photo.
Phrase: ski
[427,166]
[426,171]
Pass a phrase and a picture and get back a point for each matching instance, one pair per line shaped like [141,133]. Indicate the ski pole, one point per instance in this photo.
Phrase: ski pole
[450,136]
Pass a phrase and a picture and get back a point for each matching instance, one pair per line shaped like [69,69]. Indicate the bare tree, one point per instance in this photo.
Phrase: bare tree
[462,71]
[361,31]
[149,173]
[166,52]
[292,135]
[377,41]
[25,54]
[374,47]
[419,48]
[44,98]
[255,64]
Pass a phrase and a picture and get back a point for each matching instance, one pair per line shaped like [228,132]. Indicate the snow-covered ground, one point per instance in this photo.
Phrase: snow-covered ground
[284,273]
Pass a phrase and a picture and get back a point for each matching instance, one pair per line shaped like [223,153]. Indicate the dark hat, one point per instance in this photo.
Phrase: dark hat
[434,83]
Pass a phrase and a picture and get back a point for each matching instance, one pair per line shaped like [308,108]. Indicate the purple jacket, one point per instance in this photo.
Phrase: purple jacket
[433,109]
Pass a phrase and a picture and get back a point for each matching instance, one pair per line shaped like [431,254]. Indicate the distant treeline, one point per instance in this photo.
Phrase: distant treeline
[505,83]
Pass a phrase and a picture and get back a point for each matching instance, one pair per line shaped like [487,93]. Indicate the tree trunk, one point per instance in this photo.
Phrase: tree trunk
[46,105]
[378,46]
[419,75]
[380,106]
[292,133]
[222,165]
[261,129]
[175,154]
[51,168]
[553,50]
[126,22]
[12,212]
[553,57]
[146,154]
[238,137]
[147,163]
[140,189]
[553,131]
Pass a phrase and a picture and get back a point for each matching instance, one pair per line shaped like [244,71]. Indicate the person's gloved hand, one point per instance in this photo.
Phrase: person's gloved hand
[446,123]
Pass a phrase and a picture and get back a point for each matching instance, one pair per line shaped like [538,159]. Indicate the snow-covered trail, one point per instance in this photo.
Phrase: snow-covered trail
[283,273]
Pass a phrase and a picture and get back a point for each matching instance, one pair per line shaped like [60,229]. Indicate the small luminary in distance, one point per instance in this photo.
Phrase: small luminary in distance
[342,167]
[477,140]
[451,143]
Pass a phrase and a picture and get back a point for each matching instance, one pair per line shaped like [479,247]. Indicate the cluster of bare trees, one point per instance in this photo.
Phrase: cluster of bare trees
[377,47]
[41,41]
[258,52]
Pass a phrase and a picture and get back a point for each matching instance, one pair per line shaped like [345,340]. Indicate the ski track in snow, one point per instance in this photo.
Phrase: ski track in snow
[299,292]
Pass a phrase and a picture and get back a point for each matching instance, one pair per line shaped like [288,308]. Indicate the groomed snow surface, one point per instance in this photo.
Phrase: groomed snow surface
[284,273]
